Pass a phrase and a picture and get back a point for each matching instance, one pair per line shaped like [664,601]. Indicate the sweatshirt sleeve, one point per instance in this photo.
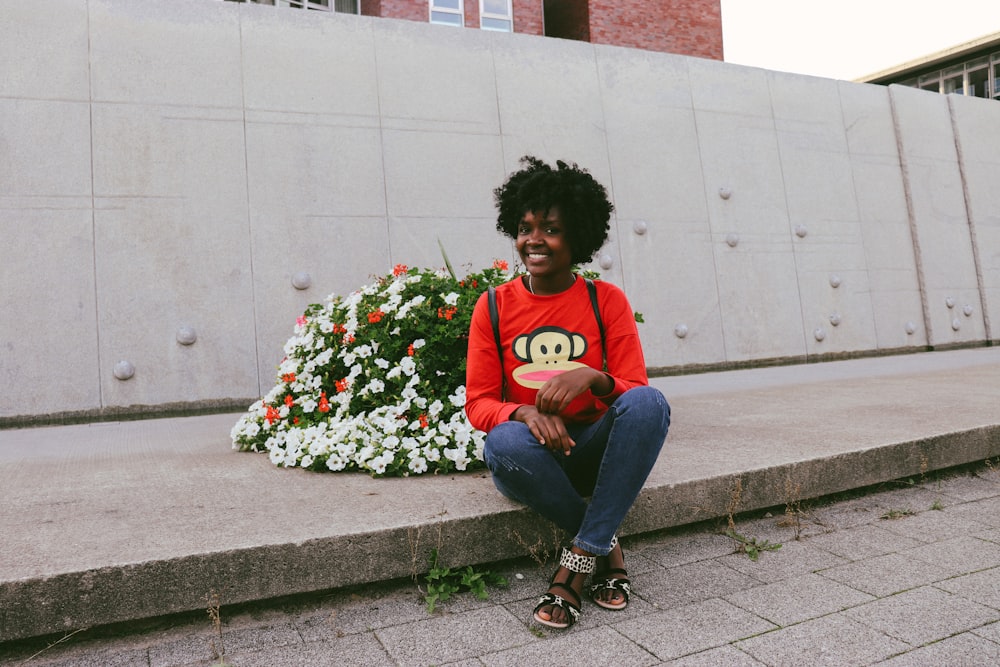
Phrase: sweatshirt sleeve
[484,403]
[626,363]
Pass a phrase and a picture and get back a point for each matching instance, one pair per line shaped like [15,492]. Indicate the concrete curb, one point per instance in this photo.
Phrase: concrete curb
[52,604]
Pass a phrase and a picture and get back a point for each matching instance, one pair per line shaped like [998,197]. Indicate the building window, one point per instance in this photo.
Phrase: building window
[976,78]
[340,6]
[447,12]
[496,15]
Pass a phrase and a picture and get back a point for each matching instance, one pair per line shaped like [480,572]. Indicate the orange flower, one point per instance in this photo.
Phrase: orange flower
[375,316]
[339,328]
[424,423]
[272,415]
[399,270]
[500,264]
[324,405]
[288,377]
[447,313]
[289,400]
[410,351]
[342,385]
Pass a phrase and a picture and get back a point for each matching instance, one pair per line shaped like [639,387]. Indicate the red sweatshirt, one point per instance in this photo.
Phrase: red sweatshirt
[545,335]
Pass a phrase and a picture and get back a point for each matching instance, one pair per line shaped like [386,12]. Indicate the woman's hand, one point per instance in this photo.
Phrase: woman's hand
[549,430]
[556,394]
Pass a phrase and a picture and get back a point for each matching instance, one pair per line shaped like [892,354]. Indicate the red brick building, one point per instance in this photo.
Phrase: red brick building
[686,27]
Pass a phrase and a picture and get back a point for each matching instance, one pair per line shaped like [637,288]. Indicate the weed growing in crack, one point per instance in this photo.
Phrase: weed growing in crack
[212,599]
[443,582]
[750,545]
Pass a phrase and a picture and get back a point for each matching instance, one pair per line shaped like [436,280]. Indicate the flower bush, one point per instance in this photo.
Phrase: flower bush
[375,381]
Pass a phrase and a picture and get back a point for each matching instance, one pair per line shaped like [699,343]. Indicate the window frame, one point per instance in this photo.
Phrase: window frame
[509,17]
[460,13]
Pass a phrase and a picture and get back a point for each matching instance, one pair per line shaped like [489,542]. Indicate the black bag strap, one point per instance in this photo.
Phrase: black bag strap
[495,321]
[592,288]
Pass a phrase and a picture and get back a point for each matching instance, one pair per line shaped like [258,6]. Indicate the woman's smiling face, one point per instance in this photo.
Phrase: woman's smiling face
[543,245]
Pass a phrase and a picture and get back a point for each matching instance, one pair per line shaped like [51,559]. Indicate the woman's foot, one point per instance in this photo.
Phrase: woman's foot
[560,606]
[611,587]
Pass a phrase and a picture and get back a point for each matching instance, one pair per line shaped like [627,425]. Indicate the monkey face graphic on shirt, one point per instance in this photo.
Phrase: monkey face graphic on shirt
[546,351]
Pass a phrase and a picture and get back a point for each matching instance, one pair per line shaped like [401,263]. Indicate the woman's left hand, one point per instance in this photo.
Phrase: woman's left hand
[556,394]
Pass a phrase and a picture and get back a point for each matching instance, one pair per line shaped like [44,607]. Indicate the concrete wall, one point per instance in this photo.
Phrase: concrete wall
[172,165]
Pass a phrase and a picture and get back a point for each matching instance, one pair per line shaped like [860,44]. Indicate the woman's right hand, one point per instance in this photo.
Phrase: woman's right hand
[549,430]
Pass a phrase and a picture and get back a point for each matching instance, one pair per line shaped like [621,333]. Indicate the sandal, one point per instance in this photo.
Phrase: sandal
[611,583]
[576,564]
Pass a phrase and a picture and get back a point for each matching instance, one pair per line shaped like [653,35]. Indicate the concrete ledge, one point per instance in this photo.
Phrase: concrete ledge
[112,522]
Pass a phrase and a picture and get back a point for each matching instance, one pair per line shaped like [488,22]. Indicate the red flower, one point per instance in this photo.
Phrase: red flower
[447,313]
[272,415]
[399,270]
[289,400]
[288,377]
[475,284]
[423,421]
[324,405]
[375,316]
[342,385]
[339,328]
[500,264]
[410,351]
[295,421]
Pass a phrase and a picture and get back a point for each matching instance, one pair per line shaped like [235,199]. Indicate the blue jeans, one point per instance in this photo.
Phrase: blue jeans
[610,463]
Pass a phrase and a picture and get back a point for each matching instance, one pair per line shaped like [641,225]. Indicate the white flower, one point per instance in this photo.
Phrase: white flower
[458,398]
[382,363]
[418,465]
[451,298]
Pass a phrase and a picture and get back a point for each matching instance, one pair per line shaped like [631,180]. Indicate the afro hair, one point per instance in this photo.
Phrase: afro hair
[582,202]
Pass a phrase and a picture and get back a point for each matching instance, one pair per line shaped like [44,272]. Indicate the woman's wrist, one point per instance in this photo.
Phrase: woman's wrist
[602,385]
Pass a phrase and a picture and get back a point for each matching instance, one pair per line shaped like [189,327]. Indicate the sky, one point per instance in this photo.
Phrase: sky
[848,39]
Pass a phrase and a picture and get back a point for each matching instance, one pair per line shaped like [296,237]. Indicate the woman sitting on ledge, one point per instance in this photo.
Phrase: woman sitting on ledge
[557,378]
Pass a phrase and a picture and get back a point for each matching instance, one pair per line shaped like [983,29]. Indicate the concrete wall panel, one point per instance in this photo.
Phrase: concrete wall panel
[662,217]
[327,221]
[171,252]
[48,321]
[938,216]
[45,59]
[823,214]
[440,175]
[183,52]
[48,326]
[299,66]
[442,84]
[885,227]
[550,102]
[45,148]
[978,141]
[757,282]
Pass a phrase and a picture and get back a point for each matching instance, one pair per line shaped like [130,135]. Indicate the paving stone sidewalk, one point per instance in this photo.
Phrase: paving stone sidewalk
[907,573]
